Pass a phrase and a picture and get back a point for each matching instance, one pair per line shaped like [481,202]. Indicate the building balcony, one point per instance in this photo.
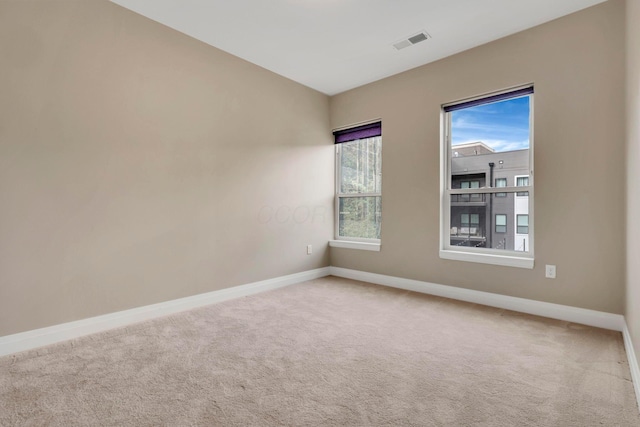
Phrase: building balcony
[475,199]
[467,236]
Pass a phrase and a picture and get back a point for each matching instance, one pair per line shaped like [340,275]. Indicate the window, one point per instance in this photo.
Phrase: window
[501,223]
[487,144]
[522,181]
[469,223]
[501,182]
[470,184]
[470,220]
[523,224]
[359,184]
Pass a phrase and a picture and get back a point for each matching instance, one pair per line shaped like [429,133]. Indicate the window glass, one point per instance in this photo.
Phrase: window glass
[523,224]
[501,182]
[360,217]
[522,181]
[359,189]
[501,223]
[360,166]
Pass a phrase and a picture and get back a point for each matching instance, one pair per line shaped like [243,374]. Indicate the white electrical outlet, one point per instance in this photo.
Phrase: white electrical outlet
[550,271]
[309,249]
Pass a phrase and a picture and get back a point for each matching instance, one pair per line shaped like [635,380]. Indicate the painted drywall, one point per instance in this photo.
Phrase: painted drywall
[632,312]
[138,165]
[577,66]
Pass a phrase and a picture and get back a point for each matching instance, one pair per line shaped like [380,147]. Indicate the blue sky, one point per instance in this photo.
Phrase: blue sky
[503,126]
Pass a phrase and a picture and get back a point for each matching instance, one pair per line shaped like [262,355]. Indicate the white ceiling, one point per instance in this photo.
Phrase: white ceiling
[336,45]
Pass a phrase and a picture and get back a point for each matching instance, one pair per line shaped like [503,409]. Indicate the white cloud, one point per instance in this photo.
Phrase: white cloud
[497,144]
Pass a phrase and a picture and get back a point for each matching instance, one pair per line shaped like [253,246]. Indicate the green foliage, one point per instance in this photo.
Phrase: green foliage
[361,173]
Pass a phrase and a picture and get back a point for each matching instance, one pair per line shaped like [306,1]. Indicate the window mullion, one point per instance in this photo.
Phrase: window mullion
[359,194]
[489,190]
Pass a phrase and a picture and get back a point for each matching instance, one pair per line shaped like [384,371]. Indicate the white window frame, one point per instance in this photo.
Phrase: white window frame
[361,243]
[471,254]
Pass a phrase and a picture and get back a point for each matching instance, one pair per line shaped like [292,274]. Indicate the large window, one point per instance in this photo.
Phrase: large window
[359,183]
[487,145]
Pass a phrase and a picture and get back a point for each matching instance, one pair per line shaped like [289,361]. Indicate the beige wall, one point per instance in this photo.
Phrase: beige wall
[138,165]
[633,172]
[577,65]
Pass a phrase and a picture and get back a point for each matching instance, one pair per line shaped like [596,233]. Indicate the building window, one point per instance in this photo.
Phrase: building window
[359,183]
[522,181]
[484,137]
[470,184]
[523,224]
[469,223]
[501,182]
[501,223]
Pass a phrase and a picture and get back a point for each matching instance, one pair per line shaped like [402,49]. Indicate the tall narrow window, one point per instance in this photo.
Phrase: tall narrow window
[523,224]
[501,182]
[522,181]
[359,183]
[501,223]
[487,145]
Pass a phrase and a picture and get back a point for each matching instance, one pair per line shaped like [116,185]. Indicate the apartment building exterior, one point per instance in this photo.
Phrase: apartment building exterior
[499,220]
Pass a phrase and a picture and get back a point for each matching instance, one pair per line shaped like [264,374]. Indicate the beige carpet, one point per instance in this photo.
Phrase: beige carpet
[330,352]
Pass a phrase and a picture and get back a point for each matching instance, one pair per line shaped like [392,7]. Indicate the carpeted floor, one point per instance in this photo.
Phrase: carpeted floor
[329,352]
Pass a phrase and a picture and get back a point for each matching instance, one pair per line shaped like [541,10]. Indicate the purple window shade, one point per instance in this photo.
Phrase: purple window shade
[358,132]
[490,99]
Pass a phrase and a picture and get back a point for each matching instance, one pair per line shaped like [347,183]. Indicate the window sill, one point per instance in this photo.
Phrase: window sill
[508,261]
[349,244]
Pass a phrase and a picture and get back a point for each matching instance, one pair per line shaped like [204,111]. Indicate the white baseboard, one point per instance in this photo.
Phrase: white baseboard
[45,336]
[554,311]
[633,362]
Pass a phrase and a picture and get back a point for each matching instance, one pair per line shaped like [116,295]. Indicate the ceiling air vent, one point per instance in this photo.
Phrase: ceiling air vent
[411,40]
